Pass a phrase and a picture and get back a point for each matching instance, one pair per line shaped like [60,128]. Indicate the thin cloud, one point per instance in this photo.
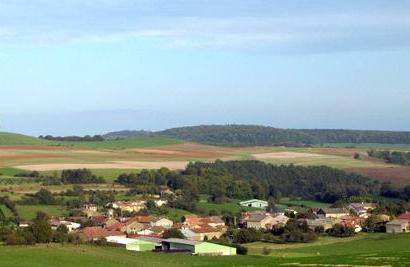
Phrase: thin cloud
[46,22]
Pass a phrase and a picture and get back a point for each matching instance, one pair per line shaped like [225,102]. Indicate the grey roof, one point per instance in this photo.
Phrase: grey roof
[256,217]
[182,241]
[150,239]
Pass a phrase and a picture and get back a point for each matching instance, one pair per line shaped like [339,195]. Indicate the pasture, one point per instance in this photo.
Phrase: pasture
[362,250]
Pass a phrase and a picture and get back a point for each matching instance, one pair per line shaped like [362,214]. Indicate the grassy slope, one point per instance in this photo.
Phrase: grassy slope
[366,250]
[28,212]
[12,139]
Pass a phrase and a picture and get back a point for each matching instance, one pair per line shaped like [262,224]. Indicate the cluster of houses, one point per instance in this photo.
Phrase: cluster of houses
[353,215]
[146,232]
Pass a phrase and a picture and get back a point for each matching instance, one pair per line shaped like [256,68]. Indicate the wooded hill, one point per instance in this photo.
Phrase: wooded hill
[243,135]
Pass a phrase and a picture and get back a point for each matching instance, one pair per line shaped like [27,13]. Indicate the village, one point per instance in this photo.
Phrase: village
[202,235]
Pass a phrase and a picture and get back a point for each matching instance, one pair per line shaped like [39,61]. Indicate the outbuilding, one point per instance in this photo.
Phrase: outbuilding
[196,247]
[255,203]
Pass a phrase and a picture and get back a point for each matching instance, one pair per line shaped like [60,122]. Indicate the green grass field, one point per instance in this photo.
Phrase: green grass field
[231,205]
[141,142]
[12,139]
[367,250]
[28,212]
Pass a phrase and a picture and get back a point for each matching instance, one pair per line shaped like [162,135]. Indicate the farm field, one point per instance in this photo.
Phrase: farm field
[363,250]
[108,159]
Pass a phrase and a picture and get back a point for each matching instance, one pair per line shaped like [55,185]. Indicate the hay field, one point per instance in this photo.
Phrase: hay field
[153,153]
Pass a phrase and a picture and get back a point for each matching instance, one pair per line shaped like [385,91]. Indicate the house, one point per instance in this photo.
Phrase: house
[404,216]
[154,231]
[129,206]
[398,226]
[355,222]
[196,247]
[254,203]
[362,209]
[332,212]
[258,220]
[141,224]
[71,226]
[97,233]
[162,222]
[90,210]
[129,227]
[204,232]
[325,223]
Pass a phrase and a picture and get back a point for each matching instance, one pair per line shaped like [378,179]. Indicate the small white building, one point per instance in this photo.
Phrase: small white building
[255,203]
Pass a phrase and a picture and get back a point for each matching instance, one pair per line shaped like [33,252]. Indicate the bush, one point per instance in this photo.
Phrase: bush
[266,251]
[340,230]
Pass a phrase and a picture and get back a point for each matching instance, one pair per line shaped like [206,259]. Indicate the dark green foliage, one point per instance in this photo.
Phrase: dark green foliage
[243,135]
[126,134]
[41,231]
[254,179]
[80,176]
[340,230]
[101,198]
[42,197]
[87,138]
[296,232]
[173,233]
[392,157]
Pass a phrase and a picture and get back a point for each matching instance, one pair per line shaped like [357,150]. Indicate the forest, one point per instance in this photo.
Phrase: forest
[243,135]
[252,179]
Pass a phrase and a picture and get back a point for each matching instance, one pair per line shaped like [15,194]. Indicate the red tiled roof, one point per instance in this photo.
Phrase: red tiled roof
[115,227]
[404,216]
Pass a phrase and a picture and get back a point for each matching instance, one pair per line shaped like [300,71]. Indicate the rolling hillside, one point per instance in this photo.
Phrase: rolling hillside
[11,139]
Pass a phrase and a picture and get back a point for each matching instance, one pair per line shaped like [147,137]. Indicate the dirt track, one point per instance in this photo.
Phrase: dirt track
[173,165]
[285,155]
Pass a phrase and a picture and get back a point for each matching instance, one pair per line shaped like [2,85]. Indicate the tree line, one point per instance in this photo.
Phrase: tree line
[243,135]
[392,157]
[86,138]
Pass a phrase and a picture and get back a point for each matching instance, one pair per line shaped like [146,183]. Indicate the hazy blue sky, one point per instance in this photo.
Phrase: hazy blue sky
[89,66]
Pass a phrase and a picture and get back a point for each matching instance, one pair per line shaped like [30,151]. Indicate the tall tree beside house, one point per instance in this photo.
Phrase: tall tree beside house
[2,217]
[41,231]
[173,233]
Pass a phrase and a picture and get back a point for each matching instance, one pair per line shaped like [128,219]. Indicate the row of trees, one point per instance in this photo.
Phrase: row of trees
[393,157]
[87,138]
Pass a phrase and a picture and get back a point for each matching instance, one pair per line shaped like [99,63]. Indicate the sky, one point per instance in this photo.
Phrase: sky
[76,67]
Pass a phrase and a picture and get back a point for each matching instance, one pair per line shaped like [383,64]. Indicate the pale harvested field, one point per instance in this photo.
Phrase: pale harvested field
[173,165]
[286,155]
